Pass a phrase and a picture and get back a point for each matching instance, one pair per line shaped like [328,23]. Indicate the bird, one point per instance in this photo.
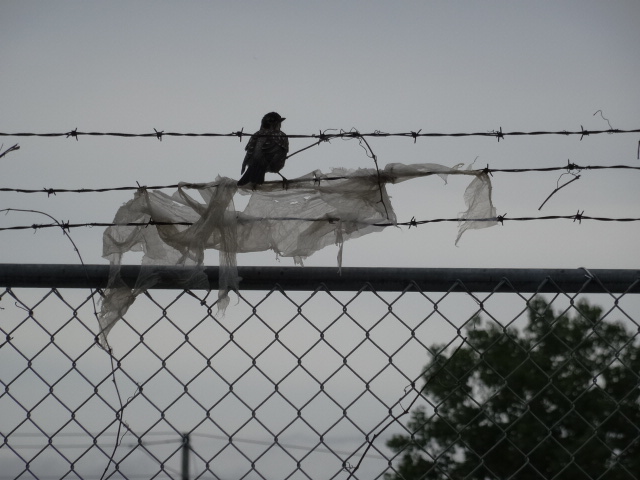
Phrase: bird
[266,151]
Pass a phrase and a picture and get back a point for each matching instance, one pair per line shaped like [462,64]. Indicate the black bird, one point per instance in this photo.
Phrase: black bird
[266,151]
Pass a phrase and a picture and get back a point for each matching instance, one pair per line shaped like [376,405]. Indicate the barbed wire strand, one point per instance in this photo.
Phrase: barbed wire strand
[569,167]
[579,216]
[324,136]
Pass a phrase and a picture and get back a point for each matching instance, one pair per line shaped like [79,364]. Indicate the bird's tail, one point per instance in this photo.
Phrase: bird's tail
[252,175]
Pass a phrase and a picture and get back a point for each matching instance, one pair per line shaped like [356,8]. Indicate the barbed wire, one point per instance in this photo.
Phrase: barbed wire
[327,134]
[569,167]
[65,226]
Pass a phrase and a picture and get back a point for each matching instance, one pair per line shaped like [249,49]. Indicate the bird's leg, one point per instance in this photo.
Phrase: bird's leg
[285,182]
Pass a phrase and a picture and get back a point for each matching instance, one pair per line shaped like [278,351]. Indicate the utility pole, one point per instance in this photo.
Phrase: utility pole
[185,456]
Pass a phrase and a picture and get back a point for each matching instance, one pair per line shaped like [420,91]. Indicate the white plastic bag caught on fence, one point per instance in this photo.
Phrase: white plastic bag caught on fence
[316,210]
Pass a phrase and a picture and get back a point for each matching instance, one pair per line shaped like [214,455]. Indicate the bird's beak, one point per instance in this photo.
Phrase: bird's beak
[282,119]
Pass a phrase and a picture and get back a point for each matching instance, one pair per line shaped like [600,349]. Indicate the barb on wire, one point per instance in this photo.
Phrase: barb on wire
[572,166]
[498,134]
[73,133]
[584,133]
[238,134]
[323,136]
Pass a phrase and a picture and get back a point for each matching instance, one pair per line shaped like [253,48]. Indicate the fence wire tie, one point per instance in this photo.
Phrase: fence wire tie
[407,389]
[65,225]
[413,222]
[22,307]
[8,339]
[348,467]
[203,301]
[578,216]
[131,398]
[415,135]
[159,134]
[587,273]
[73,133]
[141,188]
[500,218]
[486,170]
[49,191]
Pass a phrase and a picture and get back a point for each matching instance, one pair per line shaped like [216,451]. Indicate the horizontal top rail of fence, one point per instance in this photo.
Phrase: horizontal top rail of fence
[347,279]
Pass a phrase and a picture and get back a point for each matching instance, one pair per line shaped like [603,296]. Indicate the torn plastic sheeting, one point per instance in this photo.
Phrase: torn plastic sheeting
[316,210]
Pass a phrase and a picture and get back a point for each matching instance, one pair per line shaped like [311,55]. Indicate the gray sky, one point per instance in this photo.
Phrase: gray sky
[435,66]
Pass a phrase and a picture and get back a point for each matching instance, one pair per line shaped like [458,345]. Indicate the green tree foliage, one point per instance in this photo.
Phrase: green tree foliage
[559,399]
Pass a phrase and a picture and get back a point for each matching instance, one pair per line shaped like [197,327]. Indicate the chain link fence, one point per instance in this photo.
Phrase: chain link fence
[371,374]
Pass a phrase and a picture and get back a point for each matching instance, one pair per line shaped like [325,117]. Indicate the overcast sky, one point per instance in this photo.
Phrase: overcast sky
[390,66]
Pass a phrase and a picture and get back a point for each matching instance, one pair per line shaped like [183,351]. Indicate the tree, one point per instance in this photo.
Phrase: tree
[559,399]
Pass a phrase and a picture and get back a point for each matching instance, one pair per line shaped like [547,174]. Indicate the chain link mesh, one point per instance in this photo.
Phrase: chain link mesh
[285,385]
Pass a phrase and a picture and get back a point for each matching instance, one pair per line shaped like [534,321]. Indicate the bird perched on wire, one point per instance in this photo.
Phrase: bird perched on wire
[266,151]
